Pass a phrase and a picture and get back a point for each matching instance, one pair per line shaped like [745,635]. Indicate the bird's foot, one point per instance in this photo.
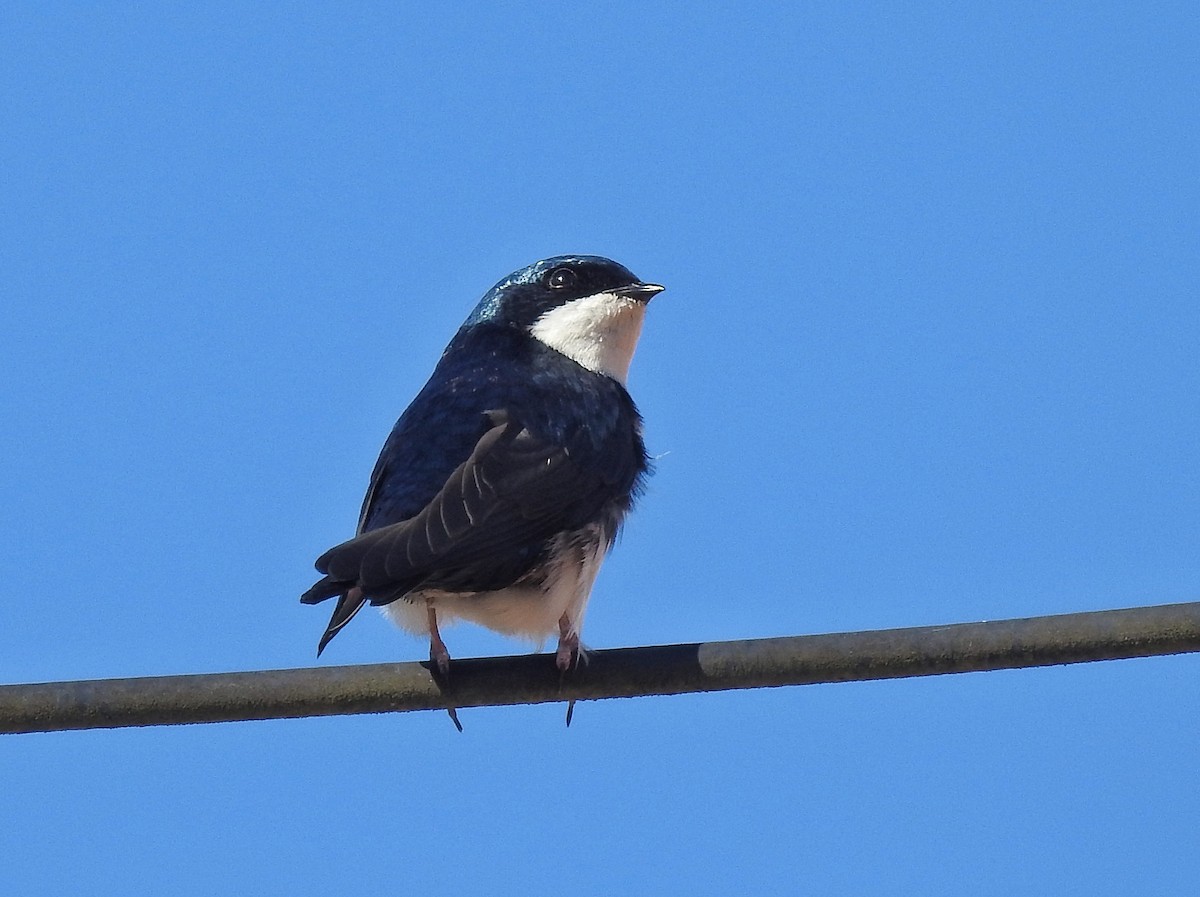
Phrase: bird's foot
[569,654]
[439,656]
[568,645]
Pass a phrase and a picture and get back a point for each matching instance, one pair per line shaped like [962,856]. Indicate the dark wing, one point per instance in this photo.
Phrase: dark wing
[483,530]
[377,477]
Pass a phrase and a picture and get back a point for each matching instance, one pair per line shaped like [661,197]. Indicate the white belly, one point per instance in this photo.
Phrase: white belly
[530,612]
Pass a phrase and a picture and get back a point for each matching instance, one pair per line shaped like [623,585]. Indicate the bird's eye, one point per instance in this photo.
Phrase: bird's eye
[561,279]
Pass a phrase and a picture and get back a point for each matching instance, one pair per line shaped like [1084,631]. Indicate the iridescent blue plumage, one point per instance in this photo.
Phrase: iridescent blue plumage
[517,300]
[489,367]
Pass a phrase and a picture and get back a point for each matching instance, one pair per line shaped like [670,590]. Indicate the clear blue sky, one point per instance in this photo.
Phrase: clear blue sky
[928,354]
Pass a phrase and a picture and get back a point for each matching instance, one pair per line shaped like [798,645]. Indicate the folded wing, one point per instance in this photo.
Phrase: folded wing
[483,530]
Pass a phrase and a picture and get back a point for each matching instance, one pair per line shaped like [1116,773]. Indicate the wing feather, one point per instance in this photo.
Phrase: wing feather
[485,526]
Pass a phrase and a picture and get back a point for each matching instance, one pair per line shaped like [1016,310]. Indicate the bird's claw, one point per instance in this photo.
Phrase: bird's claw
[439,657]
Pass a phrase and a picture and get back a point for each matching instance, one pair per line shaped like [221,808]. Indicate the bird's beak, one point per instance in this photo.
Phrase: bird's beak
[643,292]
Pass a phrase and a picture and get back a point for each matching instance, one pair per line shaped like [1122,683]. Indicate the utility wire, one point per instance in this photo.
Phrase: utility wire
[616,673]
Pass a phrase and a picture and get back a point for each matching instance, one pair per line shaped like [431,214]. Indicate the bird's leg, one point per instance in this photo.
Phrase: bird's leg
[437,648]
[568,651]
[439,656]
[568,645]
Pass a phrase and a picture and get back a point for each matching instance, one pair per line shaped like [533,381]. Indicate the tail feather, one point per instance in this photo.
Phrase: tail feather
[324,589]
[350,598]
[348,605]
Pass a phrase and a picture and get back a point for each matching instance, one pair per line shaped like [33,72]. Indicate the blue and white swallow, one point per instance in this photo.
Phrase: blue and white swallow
[503,485]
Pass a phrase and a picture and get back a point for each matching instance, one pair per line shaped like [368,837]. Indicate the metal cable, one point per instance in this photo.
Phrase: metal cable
[616,673]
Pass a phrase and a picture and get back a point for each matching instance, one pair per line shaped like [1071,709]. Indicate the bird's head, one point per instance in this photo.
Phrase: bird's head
[586,307]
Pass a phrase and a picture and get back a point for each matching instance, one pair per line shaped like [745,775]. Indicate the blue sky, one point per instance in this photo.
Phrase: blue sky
[927,355]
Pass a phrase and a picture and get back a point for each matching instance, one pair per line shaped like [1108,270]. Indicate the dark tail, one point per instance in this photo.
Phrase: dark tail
[349,601]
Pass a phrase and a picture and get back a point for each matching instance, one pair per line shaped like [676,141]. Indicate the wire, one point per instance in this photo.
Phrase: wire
[615,673]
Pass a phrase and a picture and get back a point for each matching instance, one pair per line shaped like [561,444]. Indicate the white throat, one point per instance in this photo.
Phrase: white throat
[598,332]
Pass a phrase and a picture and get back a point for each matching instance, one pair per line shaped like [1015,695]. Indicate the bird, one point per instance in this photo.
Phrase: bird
[504,484]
